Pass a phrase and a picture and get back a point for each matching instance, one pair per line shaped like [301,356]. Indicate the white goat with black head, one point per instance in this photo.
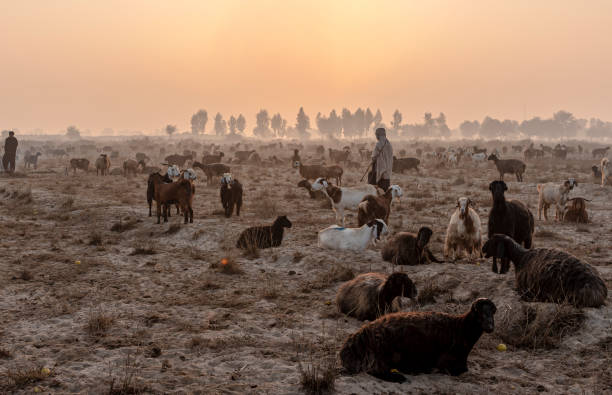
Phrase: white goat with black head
[352,239]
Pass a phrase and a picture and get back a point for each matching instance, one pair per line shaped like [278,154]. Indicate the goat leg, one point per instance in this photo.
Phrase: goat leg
[494,267]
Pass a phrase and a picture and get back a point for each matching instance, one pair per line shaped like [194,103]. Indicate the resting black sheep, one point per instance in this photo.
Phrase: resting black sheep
[408,249]
[264,236]
[417,342]
[549,275]
[510,218]
[370,295]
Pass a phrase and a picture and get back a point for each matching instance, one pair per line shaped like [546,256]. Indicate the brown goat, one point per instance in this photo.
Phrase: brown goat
[377,207]
[575,211]
[210,159]
[180,192]
[102,165]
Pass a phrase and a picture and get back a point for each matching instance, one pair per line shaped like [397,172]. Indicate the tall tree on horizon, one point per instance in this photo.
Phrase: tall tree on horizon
[276,124]
[369,119]
[397,120]
[220,125]
[198,122]
[232,125]
[170,129]
[302,122]
[377,119]
[262,129]
[241,123]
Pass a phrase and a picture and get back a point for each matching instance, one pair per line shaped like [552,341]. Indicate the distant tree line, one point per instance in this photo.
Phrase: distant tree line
[361,122]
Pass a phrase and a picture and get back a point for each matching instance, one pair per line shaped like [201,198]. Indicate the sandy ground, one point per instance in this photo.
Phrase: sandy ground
[149,307]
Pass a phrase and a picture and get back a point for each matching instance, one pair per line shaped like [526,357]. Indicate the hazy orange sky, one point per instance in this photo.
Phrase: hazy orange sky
[138,65]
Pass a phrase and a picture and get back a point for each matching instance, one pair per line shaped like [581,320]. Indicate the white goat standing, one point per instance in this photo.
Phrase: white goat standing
[353,239]
[605,171]
[551,193]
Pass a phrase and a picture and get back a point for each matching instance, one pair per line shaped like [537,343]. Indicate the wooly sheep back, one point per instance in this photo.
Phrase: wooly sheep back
[370,295]
[549,275]
[511,218]
[464,231]
[417,342]
[408,249]
[264,236]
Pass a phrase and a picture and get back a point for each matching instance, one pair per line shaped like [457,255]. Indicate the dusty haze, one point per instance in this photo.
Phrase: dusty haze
[140,65]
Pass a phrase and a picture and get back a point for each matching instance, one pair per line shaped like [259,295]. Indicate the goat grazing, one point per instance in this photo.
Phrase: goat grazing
[370,295]
[409,249]
[511,218]
[178,160]
[464,231]
[417,342]
[510,166]
[342,197]
[373,207]
[352,239]
[600,152]
[556,194]
[401,164]
[264,236]
[549,275]
[131,166]
[231,194]
[81,163]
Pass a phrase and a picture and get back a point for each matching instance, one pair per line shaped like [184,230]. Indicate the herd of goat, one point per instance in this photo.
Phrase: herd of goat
[392,343]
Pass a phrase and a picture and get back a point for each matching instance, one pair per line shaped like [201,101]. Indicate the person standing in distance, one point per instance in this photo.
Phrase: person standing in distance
[10,152]
[382,161]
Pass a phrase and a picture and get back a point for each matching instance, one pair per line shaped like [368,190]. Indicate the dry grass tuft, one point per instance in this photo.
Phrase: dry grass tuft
[5,354]
[228,265]
[428,292]
[173,228]
[99,323]
[95,239]
[539,326]
[143,250]
[127,384]
[121,226]
[17,379]
[318,377]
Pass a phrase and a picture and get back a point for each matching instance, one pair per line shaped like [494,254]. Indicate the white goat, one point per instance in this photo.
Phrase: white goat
[353,239]
[606,171]
[342,197]
[551,193]
[464,231]
[479,157]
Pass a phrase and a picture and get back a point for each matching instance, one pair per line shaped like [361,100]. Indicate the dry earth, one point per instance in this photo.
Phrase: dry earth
[149,308]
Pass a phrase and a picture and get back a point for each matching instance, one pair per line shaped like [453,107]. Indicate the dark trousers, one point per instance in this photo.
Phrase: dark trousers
[384,184]
[8,162]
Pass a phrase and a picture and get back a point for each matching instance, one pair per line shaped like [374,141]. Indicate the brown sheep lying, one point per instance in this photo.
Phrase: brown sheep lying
[370,295]
[417,342]
[548,275]
[409,249]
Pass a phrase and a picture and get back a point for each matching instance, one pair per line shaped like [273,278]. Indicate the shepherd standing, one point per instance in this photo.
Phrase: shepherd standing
[382,161]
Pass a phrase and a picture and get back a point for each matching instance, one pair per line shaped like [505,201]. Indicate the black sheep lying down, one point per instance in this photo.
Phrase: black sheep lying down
[264,236]
[417,342]
[549,275]
[409,249]
[370,295]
